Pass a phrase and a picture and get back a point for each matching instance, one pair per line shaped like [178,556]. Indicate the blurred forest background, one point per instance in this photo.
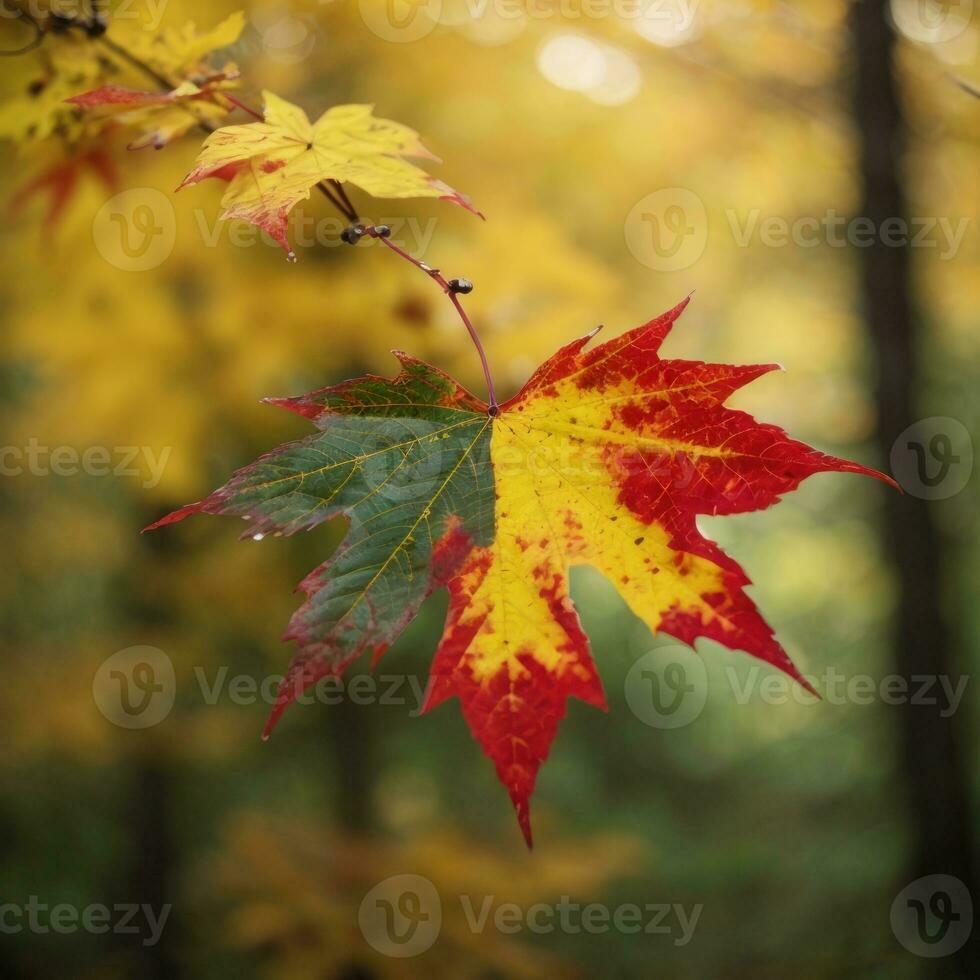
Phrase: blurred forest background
[795,824]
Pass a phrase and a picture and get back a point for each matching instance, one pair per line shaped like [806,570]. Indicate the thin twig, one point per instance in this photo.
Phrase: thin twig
[343,196]
[349,213]
[437,276]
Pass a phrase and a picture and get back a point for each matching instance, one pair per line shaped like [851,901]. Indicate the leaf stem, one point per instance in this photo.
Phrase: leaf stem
[437,276]
[327,188]
[254,113]
[338,185]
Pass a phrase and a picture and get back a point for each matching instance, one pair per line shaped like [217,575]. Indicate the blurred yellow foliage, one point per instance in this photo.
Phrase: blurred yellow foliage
[294,890]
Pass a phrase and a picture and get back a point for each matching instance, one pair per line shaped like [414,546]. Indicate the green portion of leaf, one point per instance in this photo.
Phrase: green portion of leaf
[420,391]
[407,461]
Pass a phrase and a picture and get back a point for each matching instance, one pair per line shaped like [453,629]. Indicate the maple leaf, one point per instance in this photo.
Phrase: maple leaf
[272,165]
[606,457]
[162,117]
[182,53]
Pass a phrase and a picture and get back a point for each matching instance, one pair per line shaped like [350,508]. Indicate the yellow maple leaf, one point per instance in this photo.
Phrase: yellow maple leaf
[272,165]
[179,53]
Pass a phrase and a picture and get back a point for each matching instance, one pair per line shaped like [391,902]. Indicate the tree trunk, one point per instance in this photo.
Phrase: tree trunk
[936,786]
[151,872]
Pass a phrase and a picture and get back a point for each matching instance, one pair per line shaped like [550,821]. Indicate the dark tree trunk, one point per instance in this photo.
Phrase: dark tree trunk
[152,872]
[350,728]
[352,733]
[936,786]
[151,869]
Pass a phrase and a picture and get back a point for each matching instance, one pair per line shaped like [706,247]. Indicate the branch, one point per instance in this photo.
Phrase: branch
[451,287]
